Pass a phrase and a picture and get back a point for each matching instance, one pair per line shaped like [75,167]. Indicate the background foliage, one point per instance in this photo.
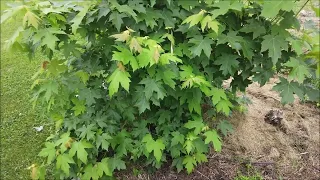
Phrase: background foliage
[123,82]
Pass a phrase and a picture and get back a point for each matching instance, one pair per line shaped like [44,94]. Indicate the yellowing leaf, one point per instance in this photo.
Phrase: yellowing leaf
[31,18]
[34,171]
[205,21]
[37,172]
[194,19]
[135,45]
[212,24]
[124,36]
[156,54]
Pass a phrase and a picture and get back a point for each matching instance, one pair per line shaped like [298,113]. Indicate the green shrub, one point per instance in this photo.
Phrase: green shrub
[133,80]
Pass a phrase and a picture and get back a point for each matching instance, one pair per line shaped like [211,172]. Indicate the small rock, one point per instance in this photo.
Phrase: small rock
[274,153]
[40,128]
[274,117]
[238,152]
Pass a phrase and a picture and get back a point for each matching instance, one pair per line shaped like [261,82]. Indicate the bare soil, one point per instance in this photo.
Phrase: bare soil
[292,152]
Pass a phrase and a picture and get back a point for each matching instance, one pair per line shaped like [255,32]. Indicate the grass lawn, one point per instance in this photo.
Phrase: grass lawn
[20,143]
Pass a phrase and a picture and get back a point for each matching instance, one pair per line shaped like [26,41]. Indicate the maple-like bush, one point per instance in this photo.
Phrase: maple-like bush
[139,80]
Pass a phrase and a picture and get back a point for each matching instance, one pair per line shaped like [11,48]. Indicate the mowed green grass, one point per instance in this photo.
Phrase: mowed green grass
[20,143]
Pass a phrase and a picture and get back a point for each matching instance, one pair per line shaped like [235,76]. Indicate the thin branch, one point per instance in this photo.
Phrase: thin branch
[302,8]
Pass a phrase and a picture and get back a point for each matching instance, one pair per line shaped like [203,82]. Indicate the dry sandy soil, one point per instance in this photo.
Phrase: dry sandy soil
[291,152]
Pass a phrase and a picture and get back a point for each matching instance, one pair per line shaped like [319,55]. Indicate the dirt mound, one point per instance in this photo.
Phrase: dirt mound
[293,151]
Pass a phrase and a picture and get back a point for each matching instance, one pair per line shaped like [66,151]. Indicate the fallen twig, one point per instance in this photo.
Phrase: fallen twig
[262,163]
[316,168]
[203,175]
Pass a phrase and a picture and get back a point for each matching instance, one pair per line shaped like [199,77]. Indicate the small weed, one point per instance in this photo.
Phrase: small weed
[250,173]
[254,177]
